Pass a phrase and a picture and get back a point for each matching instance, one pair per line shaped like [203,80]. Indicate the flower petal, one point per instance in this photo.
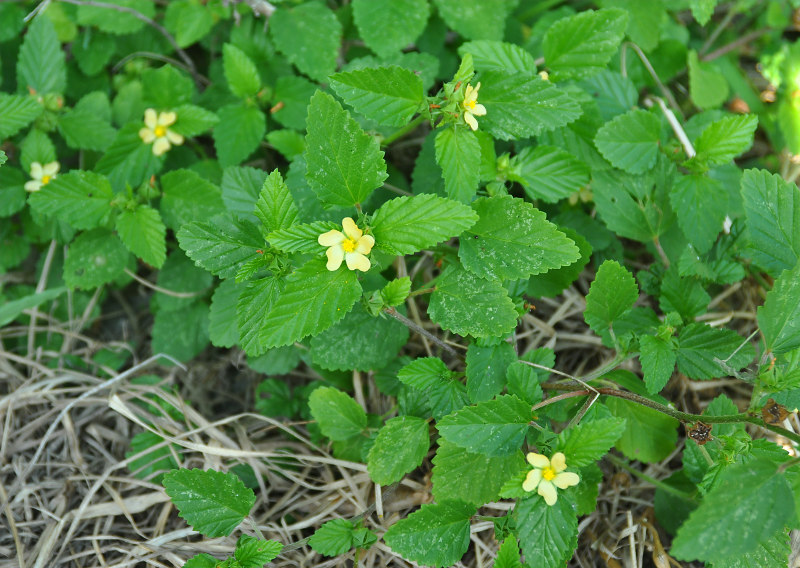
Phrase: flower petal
[160,146]
[351,229]
[365,244]
[335,255]
[357,261]
[331,238]
[548,491]
[532,480]
[36,170]
[537,460]
[147,135]
[51,169]
[150,119]
[479,110]
[33,185]
[167,118]
[470,94]
[469,119]
[566,479]
[174,137]
[558,461]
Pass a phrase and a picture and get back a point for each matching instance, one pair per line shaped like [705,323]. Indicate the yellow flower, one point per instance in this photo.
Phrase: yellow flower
[547,474]
[155,131]
[352,246]
[471,106]
[42,175]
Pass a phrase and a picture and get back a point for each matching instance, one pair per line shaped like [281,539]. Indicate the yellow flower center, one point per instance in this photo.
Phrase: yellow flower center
[349,245]
[160,131]
[548,474]
[46,180]
[469,104]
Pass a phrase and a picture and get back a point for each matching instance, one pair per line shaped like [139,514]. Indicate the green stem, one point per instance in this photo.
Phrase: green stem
[421,291]
[651,480]
[706,455]
[411,126]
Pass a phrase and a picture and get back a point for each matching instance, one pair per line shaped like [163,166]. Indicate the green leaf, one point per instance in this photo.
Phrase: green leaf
[458,474]
[548,534]
[458,153]
[700,203]
[582,45]
[290,143]
[772,208]
[339,416]
[254,553]
[188,197]
[222,325]
[313,300]
[301,237]
[512,239]
[705,352]
[400,447]
[467,304]
[212,502]
[12,191]
[486,369]
[612,293]
[179,274]
[12,22]
[275,207]
[724,139]
[520,105]
[333,538]
[41,64]
[10,310]
[555,281]
[779,317]
[683,295]
[240,72]
[193,120]
[86,130]
[388,95]
[94,258]
[658,361]
[309,35]
[252,308]
[649,435]
[128,161]
[630,141]
[702,10]
[144,233]
[589,441]
[344,163]
[36,147]
[220,245]
[387,26]
[498,56]
[508,554]
[360,341]
[397,225]
[188,20]
[17,112]
[241,187]
[396,291]
[239,132]
[81,199]
[708,87]
[750,504]
[122,22]
[294,94]
[476,19]
[493,428]
[548,173]
[424,373]
[93,52]
[770,553]
[435,535]
[202,561]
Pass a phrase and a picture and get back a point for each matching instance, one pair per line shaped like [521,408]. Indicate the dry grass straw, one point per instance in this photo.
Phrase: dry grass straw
[69,498]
